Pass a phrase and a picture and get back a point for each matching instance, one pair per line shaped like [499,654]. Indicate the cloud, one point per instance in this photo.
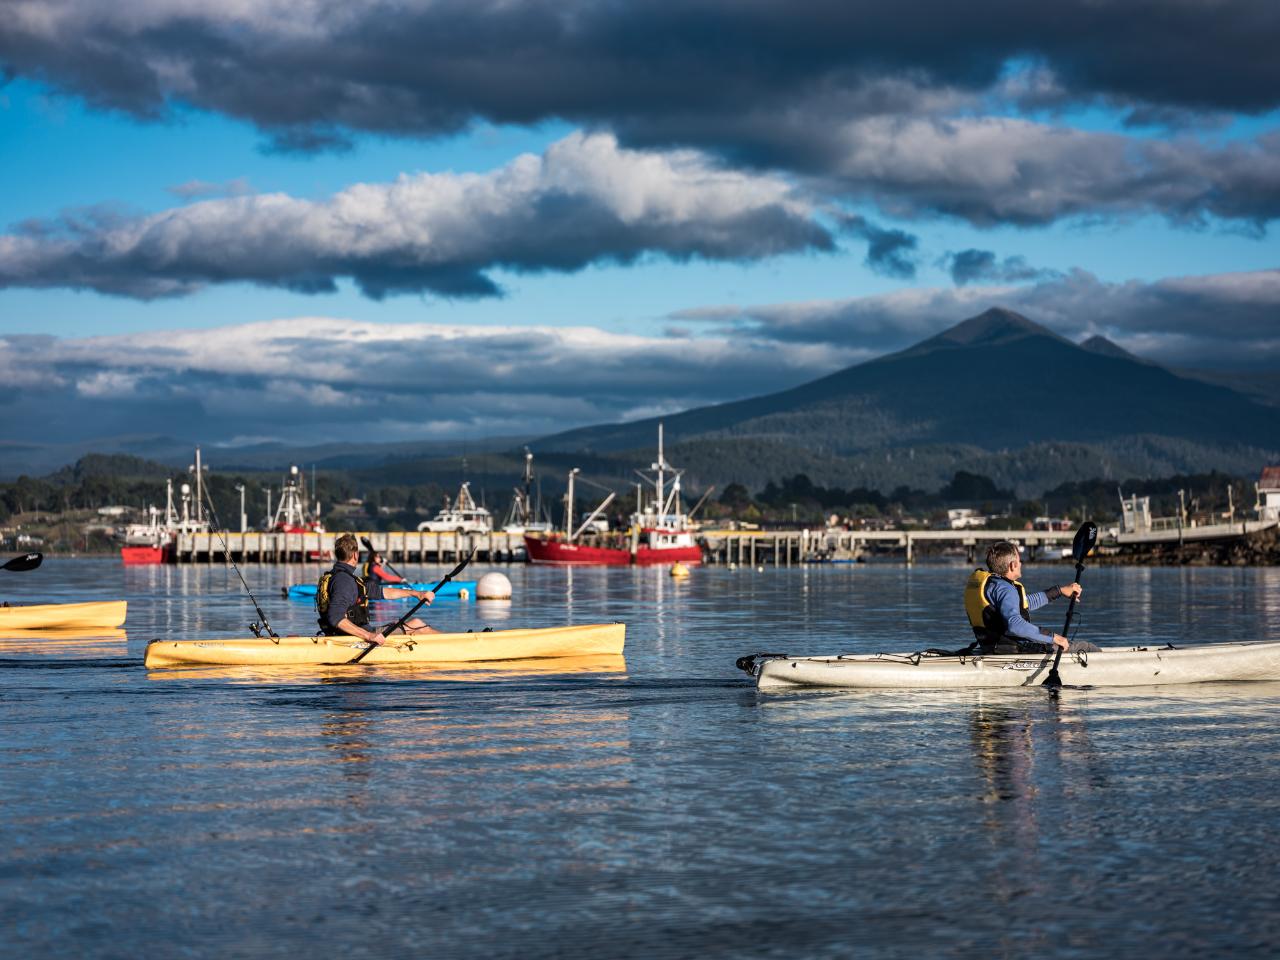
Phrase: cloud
[306,379]
[926,108]
[1222,321]
[199,189]
[889,252]
[584,201]
[969,266]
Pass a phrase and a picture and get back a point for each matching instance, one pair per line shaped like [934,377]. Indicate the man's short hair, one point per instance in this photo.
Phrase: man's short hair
[1000,555]
[346,548]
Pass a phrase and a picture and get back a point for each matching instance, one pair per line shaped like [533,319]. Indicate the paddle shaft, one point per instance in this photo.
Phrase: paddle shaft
[1053,679]
[1085,538]
[405,619]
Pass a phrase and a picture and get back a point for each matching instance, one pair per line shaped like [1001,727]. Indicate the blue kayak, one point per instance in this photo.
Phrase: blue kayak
[450,591]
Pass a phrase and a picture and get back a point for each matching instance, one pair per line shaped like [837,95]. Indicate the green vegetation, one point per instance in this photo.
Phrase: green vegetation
[62,509]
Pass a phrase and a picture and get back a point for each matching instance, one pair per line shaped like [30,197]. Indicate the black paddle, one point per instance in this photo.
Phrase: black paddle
[1086,536]
[373,553]
[26,562]
[405,619]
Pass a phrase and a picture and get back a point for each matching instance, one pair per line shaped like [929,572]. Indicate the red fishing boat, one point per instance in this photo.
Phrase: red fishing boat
[660,531]
[155,541]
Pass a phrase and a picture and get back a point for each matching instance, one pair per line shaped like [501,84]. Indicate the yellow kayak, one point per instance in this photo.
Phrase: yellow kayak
[585,640]
[103,613]
[468,672]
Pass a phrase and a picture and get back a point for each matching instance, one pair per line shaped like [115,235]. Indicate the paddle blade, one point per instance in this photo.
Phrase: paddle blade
[1086,537]
[28,562]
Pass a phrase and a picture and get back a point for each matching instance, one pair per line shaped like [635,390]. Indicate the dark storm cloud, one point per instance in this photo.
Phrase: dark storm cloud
[889,252]
[971,266]
[584,201]
[874,100]
[431,67]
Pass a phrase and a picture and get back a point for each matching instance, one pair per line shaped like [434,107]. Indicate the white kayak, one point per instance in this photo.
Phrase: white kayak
[1113,667]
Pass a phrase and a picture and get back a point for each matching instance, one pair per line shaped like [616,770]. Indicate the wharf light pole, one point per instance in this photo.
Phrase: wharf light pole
[244,521]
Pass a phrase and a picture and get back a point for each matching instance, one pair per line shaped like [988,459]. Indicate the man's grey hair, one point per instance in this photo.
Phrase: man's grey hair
[1000,555]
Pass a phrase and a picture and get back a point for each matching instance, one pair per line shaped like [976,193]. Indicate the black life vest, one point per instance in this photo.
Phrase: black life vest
[357,613]
[984,616]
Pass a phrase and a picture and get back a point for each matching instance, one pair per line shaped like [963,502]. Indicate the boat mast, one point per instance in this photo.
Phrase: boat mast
[661,467]
[527,504]
[568,505]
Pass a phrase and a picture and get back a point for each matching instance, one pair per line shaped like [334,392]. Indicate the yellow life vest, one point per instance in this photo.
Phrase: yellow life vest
[357,613]
[988,625]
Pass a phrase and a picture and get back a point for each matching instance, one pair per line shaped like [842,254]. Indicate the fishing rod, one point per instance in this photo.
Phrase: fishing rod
[257,628]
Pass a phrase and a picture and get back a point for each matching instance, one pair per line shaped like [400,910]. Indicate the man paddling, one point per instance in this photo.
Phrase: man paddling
[998,607]
[342,598]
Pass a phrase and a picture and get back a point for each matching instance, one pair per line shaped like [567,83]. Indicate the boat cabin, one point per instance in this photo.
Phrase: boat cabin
[1268,488]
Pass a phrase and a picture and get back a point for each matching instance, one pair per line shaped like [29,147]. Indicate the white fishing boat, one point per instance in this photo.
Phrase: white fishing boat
[1113,667]
[462,516]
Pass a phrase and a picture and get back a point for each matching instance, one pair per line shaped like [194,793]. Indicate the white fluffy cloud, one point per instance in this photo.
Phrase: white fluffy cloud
[584,201]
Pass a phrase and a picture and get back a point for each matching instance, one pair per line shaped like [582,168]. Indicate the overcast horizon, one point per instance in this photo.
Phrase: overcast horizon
[419,221]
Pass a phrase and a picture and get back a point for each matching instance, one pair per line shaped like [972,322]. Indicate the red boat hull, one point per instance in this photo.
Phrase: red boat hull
[137,556]
[557,551]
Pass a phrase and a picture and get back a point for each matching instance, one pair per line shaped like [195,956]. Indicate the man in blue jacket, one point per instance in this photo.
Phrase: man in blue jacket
[999,607]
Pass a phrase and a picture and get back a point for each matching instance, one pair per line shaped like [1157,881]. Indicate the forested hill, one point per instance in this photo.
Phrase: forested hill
[997,381]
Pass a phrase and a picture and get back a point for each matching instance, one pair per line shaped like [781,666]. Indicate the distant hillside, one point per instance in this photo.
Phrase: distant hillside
[997,395]
[996,381]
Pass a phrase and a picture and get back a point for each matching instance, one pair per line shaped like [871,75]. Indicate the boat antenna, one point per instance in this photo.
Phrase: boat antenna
[261,623]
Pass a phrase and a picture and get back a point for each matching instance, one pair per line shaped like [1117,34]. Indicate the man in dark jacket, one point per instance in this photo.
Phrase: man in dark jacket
[342,598]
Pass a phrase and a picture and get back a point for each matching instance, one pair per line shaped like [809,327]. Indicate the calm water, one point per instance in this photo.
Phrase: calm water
[666,811]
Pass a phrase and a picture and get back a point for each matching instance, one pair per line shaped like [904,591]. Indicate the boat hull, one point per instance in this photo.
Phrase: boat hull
[101,613]
[557,551]
[139,555]
[457,589]
[578,641]
[1119,667]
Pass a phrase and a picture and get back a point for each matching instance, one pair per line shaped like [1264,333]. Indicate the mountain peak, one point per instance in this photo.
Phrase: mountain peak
[996,325]
[1103,347]
[991,328]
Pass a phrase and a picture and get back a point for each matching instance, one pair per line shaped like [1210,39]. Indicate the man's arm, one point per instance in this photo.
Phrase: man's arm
[1037,600]
[1005,597]
[396,593]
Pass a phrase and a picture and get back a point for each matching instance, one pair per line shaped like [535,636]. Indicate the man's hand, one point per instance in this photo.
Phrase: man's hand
[1071,590]
[1060,641]
[425,595]
[377,639]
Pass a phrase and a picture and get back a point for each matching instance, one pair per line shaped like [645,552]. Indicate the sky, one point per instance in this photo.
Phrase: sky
[299,221]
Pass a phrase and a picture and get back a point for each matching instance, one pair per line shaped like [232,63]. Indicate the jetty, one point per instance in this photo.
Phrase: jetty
[784,548]
[317,546]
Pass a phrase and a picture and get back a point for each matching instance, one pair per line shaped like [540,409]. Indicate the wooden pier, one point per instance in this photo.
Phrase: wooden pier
[779,548]
[398,547]
[783,548]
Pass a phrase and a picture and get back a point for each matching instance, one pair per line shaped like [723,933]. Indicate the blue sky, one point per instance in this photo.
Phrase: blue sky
[695,221]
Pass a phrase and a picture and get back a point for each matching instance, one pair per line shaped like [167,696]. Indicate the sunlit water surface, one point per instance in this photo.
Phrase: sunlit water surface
[668,810]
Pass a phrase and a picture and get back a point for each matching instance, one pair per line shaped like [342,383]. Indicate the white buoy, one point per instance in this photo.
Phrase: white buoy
[493,586]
